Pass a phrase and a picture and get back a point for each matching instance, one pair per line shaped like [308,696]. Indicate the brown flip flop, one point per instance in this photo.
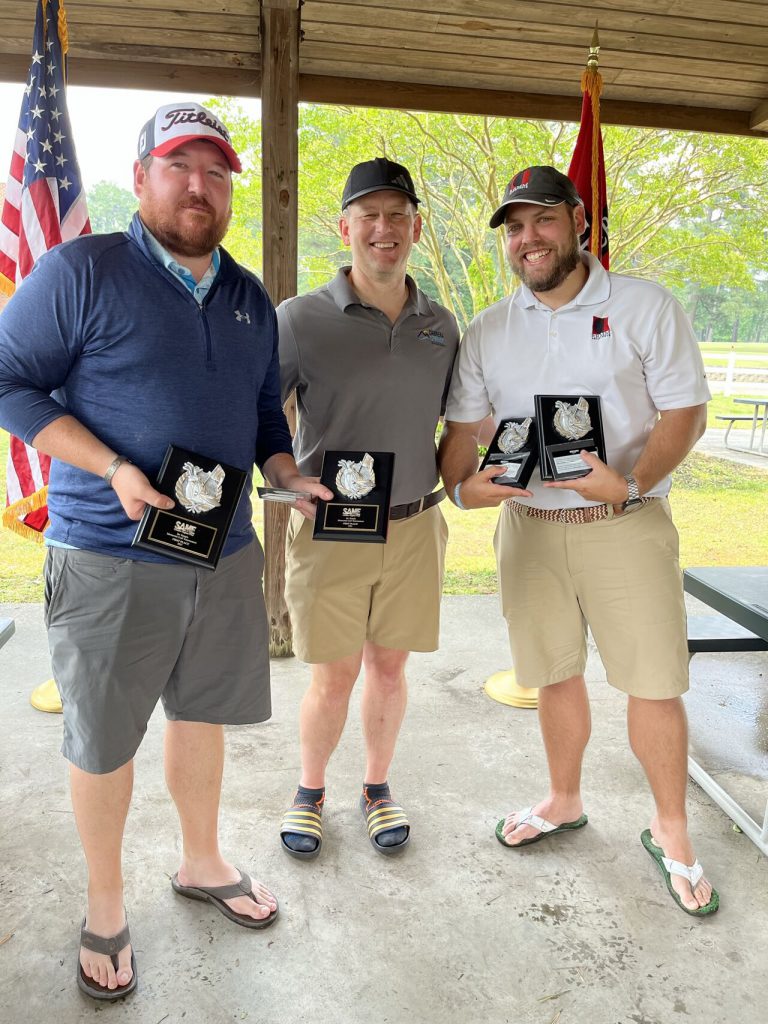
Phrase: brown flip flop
[109,947]
[216,894]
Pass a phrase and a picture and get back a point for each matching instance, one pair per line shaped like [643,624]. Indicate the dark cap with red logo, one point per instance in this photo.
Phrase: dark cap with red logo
[175,124]
[379,175]
[543,186]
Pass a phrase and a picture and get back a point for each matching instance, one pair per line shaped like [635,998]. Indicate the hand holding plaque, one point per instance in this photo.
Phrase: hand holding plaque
[515,446]
[566,426]
[362,486]
[206,493]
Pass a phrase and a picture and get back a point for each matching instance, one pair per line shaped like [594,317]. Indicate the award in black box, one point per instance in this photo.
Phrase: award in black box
[362,486]
[567,425]
[515,446]
[206,493]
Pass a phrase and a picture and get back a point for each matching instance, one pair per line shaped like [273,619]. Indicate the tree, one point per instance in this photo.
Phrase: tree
[110,207]
[688,210]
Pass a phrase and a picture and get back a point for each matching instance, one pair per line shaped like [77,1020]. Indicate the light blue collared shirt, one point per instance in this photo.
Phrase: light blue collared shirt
[198,288]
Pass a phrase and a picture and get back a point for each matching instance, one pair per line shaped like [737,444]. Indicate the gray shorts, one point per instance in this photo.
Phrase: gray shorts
[124,633]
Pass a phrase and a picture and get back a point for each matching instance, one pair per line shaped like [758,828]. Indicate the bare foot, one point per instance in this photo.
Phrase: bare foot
[556,810]
[220,872]
[672,838]
[106,917]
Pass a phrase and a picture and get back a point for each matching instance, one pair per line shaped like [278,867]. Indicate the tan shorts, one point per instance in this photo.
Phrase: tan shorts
[620,577]
[341,594]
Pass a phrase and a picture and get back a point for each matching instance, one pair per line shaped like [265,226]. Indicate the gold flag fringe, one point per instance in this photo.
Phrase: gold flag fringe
[592,86]
[13,515]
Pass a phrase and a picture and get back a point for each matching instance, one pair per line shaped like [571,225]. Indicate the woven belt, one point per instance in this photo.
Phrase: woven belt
[569,516]
[412,508]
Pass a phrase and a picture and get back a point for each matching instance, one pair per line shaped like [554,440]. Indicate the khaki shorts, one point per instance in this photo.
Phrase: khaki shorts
[620,577]
[341,594]
[125,633]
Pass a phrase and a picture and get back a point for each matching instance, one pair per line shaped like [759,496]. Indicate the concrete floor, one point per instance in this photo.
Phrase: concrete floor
[579,930]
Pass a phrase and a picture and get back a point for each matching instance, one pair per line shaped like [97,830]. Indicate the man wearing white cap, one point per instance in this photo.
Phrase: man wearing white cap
[116,346]
[599,549]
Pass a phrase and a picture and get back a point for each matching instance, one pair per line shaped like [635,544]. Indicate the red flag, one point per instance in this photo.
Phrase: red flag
[587,170]
[44,205]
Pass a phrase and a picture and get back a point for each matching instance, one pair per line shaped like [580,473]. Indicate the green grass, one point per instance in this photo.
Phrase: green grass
[719,508]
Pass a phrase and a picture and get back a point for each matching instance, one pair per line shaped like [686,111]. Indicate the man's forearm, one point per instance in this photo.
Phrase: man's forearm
[69,441]
[675,434]
[457,455]
[280,469]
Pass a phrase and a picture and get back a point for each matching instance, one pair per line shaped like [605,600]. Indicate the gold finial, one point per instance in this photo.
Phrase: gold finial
[594,50]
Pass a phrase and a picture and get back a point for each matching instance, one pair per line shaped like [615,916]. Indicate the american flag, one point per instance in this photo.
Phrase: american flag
[44,205]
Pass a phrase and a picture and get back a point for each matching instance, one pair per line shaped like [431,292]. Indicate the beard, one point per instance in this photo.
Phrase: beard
[195,239]
[567,260]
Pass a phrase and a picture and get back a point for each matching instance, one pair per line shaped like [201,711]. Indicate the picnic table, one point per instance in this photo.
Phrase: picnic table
[758,417]
[740,596]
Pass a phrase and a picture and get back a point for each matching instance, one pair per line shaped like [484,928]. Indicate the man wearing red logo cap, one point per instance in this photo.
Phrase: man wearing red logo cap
[599,549]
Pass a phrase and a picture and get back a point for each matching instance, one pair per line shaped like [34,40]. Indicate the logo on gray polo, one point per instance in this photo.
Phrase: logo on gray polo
[242,316]
[429,334]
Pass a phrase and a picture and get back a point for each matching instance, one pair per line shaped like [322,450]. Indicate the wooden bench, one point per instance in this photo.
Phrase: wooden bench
[710,634]
[731,421]
[7,629]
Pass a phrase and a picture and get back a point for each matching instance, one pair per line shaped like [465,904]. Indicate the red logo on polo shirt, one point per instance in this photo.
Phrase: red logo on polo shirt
[600,328]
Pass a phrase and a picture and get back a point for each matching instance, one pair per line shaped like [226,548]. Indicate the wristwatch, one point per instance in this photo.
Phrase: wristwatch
[633,493]
[114,465]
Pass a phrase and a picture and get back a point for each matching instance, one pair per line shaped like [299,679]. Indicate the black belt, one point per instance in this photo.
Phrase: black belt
[412,508]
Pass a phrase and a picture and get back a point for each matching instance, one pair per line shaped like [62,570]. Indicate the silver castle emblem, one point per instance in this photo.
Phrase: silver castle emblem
[197,490]
[356,479]
[514,436]
[572,421]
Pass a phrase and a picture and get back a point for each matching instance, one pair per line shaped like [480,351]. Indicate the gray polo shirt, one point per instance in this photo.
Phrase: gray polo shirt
[363,382]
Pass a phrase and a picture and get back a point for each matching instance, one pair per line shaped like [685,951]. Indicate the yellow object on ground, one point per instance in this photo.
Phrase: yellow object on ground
[46,697]
[503,687]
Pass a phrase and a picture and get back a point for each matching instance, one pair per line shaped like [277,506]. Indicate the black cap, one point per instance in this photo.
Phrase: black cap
[543,186]
[377,176]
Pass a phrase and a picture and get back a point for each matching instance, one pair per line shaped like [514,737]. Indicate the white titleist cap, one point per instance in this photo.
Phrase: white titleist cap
[177,123]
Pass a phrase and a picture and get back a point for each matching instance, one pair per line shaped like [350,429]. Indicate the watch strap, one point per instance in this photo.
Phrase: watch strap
[633,492]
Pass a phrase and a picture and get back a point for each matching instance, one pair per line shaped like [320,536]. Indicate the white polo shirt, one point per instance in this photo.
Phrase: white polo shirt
[622,338]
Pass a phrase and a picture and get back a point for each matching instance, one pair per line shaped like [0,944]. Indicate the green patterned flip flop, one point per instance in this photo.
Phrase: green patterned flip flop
[546,828]
[669,867]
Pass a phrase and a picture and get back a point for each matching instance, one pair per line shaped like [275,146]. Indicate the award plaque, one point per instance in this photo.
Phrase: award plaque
[206,493]
[567,425]
[515,446]
[362,487]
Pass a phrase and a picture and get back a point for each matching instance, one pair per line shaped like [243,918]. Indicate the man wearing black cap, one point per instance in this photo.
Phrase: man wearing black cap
[149,337]
[599,550]
[370,357]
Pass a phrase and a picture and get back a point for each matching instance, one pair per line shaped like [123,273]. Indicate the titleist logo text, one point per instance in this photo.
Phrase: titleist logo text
[186,115]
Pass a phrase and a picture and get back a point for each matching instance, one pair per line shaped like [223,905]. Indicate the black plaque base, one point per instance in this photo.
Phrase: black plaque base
[519,465]
[191,535]
[558,417]
[344,517]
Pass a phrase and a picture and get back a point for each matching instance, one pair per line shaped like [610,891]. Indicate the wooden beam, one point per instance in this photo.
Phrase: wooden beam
[497,103]
[137,74]
[758,119]
[280,29]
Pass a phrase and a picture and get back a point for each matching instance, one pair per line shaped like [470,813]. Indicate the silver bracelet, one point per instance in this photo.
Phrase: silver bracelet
[114,465]
[456,497]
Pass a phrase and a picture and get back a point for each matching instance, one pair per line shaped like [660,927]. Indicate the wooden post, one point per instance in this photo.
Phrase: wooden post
[280,29]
